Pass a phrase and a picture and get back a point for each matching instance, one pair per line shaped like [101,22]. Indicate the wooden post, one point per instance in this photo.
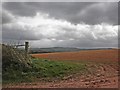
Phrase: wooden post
[26,49]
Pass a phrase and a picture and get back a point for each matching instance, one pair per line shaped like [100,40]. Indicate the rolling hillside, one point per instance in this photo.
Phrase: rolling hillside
[62,49]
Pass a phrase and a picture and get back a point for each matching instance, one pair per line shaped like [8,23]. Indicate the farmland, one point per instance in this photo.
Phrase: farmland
[101,69]
[94,55]
[102,66]
[80,69]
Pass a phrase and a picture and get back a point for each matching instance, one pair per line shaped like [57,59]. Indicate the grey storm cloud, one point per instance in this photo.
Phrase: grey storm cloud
[75,12]
[100,12]
[7,17]
[73,24]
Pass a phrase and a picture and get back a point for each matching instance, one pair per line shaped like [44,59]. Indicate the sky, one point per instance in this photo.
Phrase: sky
[61,24]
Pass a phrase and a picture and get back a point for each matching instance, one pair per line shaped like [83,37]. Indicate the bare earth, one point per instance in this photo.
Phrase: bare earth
[89,55]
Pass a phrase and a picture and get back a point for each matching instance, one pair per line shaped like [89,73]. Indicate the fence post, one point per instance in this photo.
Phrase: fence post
[26,49]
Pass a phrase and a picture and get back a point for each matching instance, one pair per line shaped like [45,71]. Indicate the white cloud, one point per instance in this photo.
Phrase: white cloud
[54,32]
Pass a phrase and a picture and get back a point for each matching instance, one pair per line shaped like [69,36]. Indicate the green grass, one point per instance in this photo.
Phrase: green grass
[56,68]
[42,69]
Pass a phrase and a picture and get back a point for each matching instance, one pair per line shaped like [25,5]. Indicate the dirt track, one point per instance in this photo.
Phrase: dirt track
[104,77]
[73,83]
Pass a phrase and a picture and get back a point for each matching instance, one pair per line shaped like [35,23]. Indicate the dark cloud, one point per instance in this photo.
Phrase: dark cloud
[94,13]
[100,12]
[6,17]
[118,13]
[19,8]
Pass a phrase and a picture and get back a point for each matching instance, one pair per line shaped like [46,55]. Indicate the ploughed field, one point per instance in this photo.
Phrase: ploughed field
[89,55]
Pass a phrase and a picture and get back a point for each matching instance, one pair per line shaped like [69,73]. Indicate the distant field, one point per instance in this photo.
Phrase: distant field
[91,55]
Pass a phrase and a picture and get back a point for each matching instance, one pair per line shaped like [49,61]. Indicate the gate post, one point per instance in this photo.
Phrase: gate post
[26,49]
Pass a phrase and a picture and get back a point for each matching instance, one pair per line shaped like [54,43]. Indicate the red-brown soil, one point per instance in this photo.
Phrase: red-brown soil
[89,55]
